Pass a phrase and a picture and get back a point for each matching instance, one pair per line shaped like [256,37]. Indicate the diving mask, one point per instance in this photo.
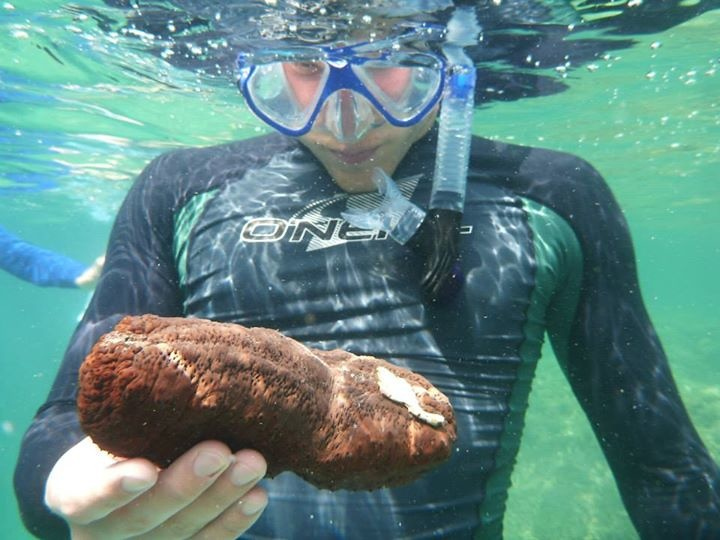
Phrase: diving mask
[345,89]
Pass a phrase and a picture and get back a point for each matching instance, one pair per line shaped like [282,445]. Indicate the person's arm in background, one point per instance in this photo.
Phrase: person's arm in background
[139,277]
[44,267]
[619,373]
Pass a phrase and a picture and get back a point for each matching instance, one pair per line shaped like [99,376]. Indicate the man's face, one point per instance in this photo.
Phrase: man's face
[350,152]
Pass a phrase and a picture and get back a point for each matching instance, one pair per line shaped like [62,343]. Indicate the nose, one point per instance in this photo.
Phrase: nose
[349,115]
[348,108]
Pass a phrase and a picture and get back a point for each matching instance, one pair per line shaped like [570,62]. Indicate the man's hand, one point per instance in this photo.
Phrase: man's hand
[91,274]
[208,492]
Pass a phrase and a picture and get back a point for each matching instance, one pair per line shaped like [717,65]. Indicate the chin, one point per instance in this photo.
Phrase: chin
[353,181]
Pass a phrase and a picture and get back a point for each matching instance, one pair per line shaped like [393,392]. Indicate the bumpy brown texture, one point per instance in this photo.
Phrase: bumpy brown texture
[155,386]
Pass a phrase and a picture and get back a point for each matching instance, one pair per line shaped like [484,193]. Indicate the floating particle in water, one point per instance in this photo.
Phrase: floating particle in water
[8,427]
[689,77]
[8,6]
[194,49]
[592,68]
[650,75]
[655,45]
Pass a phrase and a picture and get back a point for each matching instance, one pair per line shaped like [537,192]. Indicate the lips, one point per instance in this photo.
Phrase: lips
[354,156]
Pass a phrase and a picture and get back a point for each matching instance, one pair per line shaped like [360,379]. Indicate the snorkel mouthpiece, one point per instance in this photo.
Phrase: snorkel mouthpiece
[395,214]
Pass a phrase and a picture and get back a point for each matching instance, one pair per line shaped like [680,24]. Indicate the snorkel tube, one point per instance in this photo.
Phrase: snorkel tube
[454,133]
[438,237]
[435,234]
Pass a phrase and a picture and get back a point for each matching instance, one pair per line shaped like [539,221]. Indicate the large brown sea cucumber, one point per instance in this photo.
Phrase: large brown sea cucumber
[155,386]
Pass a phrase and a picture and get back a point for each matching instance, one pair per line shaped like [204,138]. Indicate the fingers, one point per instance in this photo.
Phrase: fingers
[236,519]
[87,483]
[177,487]
[230,505]
[207,492]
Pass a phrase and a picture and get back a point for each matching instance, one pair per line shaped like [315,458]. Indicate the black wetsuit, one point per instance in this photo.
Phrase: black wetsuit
[251,232]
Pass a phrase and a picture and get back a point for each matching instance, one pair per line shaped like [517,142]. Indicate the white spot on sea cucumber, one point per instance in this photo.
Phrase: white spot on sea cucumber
[400,391]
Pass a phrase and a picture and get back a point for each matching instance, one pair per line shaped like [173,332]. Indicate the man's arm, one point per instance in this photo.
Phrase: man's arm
[139,277]
[619,373]
[37,265]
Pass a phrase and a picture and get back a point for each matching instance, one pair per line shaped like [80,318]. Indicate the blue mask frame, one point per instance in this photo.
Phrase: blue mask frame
[340,61]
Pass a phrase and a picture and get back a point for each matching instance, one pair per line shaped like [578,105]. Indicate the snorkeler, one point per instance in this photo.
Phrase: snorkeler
[43,267]
[273,232]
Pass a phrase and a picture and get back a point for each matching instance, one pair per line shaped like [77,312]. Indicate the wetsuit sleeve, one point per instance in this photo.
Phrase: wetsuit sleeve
[37,265]
[139,277]
[618,371]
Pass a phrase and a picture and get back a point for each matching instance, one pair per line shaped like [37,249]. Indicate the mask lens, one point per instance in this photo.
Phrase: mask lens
[286,93]
[404,84]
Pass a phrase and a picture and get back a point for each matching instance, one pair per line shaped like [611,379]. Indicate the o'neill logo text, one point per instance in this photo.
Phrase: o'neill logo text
[320,233]
[318,223]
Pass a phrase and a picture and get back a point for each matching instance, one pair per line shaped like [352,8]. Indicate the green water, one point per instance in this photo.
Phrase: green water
[656,139]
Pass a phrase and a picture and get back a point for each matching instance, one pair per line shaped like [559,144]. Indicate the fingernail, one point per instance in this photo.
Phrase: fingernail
[133,484]
[209,463]
[243,474]
[252,507]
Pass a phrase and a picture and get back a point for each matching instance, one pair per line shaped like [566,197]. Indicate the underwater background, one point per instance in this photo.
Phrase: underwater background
[82,110]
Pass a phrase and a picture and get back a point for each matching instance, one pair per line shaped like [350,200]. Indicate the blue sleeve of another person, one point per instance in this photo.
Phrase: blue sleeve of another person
[35,264]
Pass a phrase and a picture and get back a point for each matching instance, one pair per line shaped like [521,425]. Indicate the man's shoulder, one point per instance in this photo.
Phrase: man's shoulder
[559,180]
[170,180]
[563,182]
[528,165]
[219,159]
